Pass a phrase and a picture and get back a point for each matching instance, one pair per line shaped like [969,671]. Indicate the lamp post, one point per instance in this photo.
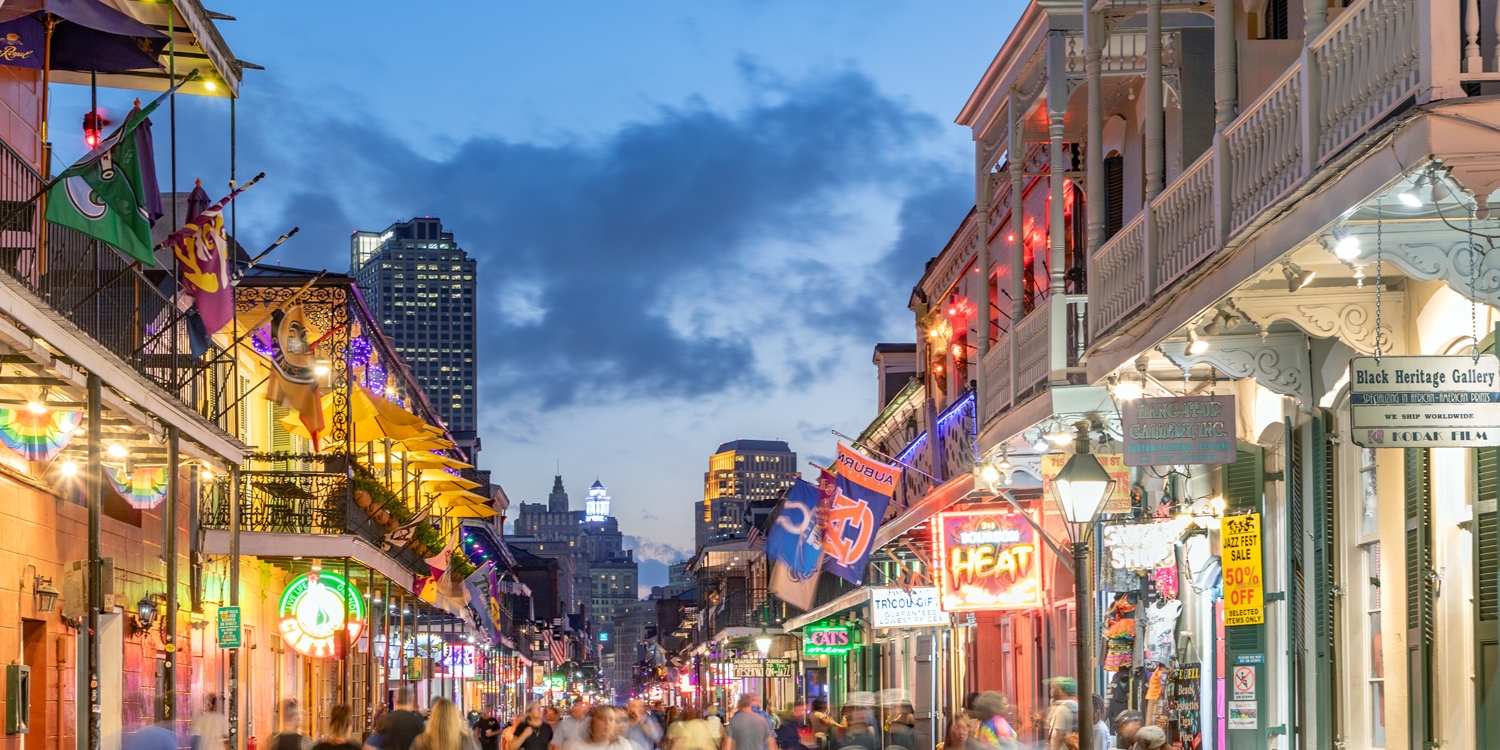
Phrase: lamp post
[1081,487]
[763,645]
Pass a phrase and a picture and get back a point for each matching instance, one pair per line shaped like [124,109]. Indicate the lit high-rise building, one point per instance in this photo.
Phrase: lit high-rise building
[742,475]
[596,507]
[421,284]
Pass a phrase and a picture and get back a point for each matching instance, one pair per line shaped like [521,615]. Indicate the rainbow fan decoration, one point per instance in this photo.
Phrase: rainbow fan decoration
[38,437]
[143,488]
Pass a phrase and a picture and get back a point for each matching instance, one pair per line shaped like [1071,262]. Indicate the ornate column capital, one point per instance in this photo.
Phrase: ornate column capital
[1279,361]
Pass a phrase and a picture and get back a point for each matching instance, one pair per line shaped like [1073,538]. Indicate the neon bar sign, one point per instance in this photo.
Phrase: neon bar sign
[313,610]
[822,640]
[989,561]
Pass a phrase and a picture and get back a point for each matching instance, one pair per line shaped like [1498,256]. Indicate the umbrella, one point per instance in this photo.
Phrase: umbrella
[423,460]
[374,419]
[79,35]
[455,495]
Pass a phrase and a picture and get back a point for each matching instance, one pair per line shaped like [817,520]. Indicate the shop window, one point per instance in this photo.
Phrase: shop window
[1376,659]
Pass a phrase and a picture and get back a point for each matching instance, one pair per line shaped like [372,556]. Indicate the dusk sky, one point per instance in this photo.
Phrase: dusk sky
[693,221]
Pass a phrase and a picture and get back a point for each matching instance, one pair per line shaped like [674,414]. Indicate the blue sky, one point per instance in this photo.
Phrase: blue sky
[693,220]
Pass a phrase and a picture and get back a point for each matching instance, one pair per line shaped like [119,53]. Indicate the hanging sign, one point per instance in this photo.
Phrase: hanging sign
[1410,402]
[1244,592]
[988,561]
[1173,431]
[1114,463]
[894,608]
[827,639]
[1143,546]
[315,608]
[758,667]
[458,660]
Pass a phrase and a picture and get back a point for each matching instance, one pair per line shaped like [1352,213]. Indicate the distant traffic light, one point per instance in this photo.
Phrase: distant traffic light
[93,127]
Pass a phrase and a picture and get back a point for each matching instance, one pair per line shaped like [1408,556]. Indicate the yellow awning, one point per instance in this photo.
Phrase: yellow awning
[374,419]
[470,511]
[422,460]
[456,495]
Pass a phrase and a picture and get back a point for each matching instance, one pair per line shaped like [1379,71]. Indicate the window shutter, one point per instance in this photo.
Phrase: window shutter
[1296,595]
[1244,492]
[1323,582]
[1419,605]
[1114,195]
[1487,596]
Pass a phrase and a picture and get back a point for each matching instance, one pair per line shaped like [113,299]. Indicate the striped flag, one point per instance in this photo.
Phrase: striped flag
[556,645]
[756,538]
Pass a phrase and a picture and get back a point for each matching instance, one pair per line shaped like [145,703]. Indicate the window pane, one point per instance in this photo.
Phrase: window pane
[1377,715]
[1369,499]
[1377,660]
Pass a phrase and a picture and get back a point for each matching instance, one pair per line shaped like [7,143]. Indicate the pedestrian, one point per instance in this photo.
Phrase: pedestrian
[1062,715]
[601,732]
[1151,738]
[992,729]
[444,730]
[158,736]
[690,732]
[640,726]
[1127,726]
[859,729]
[487,730]
[715,724]
[401,726]
[210,729]
[571,727]
[959,732]
[290,737]
[796,732]
[553,715]
[748,730]
[533,733]
[823,724]
[901,726]
[338,731]
[1101,727]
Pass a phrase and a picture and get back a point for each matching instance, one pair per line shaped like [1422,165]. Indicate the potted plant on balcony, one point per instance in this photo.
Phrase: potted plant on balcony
[383,505]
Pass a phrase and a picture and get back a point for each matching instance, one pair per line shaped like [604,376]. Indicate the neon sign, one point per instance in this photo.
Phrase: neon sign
[313,612]
[989,561]
[458,660]
[826,639]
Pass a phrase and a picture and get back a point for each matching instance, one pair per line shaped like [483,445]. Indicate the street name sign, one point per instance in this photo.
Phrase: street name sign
[1425,402]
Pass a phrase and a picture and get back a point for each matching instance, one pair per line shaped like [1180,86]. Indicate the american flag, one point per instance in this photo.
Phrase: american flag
[756,538]
[556,646]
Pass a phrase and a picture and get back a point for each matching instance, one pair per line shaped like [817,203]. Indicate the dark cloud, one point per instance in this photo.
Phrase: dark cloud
[636,266]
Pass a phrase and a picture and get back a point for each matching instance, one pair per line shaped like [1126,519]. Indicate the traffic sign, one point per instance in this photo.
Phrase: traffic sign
[229,627]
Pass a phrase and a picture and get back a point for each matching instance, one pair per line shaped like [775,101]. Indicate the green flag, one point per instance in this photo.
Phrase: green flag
[104,194]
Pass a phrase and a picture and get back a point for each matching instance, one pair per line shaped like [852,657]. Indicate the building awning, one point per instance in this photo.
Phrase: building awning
[847,601]
[933,503]
[326,546]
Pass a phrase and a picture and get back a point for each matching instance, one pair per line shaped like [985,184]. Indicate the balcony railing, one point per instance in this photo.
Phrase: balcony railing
[1024,358]
[1361,68]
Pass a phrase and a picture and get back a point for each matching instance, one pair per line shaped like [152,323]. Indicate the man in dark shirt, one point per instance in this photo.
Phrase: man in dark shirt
[487,730]
[796,731]
[401,726]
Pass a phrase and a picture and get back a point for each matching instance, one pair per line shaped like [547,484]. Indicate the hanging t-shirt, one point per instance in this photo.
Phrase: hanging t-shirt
[1161,632]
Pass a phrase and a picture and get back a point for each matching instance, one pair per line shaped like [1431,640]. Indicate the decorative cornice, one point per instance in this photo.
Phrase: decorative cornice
[1450,262]
[1348,315]
[1279,362]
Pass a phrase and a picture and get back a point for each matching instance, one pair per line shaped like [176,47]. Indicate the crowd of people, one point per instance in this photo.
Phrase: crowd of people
[986,723]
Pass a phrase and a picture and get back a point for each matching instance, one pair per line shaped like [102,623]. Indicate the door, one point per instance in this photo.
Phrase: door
[34,651]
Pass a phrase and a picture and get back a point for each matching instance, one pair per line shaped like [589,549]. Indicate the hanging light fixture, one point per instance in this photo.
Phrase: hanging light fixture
[46,594]
[1346,246]
[1128,388]
[1296,277]
[1410,196]
[1195,345]
[763,642]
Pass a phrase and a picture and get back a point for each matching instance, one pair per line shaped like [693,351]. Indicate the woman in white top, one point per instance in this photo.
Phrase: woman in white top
[602,732]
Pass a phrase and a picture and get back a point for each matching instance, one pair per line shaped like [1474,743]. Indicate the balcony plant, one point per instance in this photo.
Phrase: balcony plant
[383,505]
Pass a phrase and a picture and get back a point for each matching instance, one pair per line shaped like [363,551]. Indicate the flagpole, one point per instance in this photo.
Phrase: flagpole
[867,447]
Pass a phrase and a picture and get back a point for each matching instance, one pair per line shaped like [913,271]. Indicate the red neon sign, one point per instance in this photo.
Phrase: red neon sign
[990,560]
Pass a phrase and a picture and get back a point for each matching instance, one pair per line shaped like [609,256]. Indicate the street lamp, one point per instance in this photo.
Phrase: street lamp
[763,642]
[1081,488]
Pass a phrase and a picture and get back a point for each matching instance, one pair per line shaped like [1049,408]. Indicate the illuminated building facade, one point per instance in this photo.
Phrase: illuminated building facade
[742,475]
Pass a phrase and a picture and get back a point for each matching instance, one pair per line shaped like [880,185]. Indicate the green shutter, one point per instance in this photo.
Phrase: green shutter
[1487,597]
[1244,492]
[1323,553]
[1419,604]
[1296,586]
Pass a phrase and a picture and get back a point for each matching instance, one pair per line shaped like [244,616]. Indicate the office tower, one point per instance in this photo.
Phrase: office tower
[420,284]
[742,475]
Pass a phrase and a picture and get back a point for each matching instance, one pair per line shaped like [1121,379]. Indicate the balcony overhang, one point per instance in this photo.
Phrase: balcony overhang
[325,546]
[127,392]
[197,42]
[855,598]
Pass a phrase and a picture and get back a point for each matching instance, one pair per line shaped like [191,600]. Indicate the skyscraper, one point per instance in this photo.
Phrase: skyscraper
[420,284]
[742,475]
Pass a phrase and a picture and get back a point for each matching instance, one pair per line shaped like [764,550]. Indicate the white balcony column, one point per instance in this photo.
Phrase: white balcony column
[1016,147]
[1094,145]
[1156,137]
[1226,74]
[1473,63]
[1057,181]
[982,265]
[1316,18]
